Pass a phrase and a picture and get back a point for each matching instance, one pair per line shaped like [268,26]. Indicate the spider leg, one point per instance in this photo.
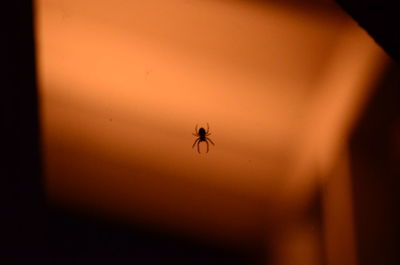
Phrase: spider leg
[195,142]
[195,134]
[195,129]
[210,140]
[198,147]
[207,134]
[208,127]
[207,145]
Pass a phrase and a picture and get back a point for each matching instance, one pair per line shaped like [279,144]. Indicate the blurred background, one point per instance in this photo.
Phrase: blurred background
[301,103]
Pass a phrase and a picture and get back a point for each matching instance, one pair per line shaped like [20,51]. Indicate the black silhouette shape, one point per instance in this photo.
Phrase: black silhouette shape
[202,137]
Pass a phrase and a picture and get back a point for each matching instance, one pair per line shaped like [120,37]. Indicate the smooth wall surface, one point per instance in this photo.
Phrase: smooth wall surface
[124,83]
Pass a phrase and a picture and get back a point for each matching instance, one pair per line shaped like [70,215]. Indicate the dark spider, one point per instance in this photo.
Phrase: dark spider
[202,137]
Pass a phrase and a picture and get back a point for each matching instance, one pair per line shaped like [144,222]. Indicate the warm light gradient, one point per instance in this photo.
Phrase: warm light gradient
[123,84]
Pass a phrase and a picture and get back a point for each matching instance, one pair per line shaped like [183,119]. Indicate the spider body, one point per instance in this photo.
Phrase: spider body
[202,137]
[202,134]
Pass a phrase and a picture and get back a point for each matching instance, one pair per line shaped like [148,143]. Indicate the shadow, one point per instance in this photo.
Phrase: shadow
[77,238]
[375,170]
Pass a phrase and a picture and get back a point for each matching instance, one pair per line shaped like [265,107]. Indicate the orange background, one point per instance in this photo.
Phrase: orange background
[123,84]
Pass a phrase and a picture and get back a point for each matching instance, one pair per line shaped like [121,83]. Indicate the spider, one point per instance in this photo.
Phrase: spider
[202,137]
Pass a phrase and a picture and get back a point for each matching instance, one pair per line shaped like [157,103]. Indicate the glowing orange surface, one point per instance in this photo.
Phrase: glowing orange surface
[123,84]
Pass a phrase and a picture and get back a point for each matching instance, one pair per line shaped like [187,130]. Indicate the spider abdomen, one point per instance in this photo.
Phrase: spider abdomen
[202,134]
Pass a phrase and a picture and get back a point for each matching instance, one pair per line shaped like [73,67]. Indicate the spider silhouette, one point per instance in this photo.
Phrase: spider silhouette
[202,137]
